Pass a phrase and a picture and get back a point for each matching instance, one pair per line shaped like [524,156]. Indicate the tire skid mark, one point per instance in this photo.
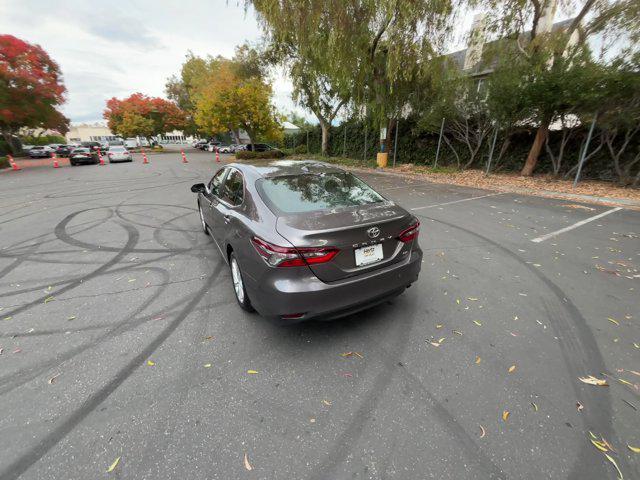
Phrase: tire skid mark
[581,356]
[29,458]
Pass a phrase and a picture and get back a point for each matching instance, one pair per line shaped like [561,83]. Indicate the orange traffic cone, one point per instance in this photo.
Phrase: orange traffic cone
[145,160]
[217,155]
[55,161]
[13,164]
[184,157]
[100,157]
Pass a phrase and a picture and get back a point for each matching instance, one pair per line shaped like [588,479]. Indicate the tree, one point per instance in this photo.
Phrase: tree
[527,23]
[159,115]
[375,45]
[31,89]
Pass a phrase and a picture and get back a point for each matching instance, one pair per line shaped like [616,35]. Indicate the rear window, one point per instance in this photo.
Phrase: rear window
[310,192]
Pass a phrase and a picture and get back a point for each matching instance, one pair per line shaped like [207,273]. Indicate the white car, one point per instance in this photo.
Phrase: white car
[118,153]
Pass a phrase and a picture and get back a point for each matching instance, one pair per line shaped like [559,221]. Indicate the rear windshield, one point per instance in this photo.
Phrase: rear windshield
[310,192]
[81,150]
[117,149]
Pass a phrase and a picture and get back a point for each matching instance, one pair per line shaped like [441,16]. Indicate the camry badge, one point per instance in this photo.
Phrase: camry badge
[373,232]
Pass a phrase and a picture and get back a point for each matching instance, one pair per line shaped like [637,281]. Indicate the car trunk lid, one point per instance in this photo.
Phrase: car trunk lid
[350,229]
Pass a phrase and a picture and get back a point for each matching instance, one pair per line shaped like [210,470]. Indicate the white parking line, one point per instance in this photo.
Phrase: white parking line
[575,225]
[458,201]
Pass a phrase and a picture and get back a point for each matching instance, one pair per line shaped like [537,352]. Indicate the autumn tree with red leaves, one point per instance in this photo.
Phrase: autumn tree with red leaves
[30,90]
[140,115]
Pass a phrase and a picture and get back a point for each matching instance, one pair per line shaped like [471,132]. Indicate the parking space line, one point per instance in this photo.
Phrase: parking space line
[458,201]
[575,225]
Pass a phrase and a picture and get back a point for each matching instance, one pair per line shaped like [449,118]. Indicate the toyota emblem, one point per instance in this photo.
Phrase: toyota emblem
[373,232]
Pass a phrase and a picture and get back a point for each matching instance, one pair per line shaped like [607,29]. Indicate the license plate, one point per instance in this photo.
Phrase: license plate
[369,254]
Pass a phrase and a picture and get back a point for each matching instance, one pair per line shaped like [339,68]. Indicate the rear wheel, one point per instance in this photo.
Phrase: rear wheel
[238,284]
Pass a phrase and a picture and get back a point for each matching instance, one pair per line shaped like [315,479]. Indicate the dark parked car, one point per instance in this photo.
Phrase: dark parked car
[308,240]
[83,155]
[40,151]
[259,147]
[64,150]
[94,146]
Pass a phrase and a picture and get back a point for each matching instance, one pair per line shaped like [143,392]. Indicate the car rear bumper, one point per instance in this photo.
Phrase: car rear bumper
[282,292]
[88,160]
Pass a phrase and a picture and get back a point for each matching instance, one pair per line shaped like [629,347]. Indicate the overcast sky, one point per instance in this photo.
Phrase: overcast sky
[116,48]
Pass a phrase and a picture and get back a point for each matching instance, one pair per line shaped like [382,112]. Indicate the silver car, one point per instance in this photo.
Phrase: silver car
[119,153]
[307,240]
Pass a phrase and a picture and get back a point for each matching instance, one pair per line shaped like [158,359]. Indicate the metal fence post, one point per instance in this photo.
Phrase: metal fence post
[435,164]
[584,151]
[366,132]
[395,143]
[344,143]
[493,145]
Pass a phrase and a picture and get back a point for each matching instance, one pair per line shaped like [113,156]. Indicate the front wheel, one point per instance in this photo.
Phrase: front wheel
[238,285]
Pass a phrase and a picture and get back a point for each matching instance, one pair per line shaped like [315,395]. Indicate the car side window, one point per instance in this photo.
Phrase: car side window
[216,182]
[233,192]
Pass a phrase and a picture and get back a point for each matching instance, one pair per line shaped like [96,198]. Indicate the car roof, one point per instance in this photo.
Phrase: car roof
[276,168]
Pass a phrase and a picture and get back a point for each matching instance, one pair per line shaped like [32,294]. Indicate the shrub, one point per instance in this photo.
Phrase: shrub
[248,155]
[300,149]
[42,140]
[4,162]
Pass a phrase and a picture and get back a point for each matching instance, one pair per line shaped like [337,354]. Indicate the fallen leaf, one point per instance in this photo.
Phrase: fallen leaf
[346,374]
[482,431]
[613,321]
[478,360]
[247,465]
[17,350]
[312,420]
[435,344]
[457,332]
[472,299]
[599,445]
[150,363]
[113,465]
[621,380]
[591,380]
[327,403]
[634,372]
[439,326]
[132,280]
[207,365]
[579,406]
[505,415]
[620,477]
[252,372]
[633,449]
[72,317]
[458,301]
[49,299]
[535,407]
[477,323]
[53,379]
[512,369]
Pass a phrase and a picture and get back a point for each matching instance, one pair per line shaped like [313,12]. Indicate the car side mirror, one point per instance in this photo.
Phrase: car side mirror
[198,188]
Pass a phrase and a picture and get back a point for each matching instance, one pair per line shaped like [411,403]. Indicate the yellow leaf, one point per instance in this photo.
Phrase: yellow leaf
[435,344]
[150,363]
[113,465]
[512,368]
[132,280]
[357,354]
[327,403]
[613,321]
[535,407]
[472,299]
[637,345]
[620,477]
[477,323]
[252,372]
[49,299]
[207,365]
[621,380]
[457,332]
[458,301]
[71,317]
[633,449]
[439,326]
[599,445]
[478,360]
[247,465]
[505,415]
[591,380]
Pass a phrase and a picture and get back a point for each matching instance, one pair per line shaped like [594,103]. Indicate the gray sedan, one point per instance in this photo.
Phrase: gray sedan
[119,153]
[306,240]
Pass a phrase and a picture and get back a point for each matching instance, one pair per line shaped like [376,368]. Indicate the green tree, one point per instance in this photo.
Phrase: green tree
[375,46]
[135,125]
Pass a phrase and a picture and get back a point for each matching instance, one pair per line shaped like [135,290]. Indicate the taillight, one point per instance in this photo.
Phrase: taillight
[278,256]
[410,233]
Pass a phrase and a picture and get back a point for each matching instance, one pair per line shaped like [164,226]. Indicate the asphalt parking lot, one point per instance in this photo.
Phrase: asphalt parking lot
[121,339]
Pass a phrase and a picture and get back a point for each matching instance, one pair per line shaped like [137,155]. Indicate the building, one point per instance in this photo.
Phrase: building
[289,128]
[89,132]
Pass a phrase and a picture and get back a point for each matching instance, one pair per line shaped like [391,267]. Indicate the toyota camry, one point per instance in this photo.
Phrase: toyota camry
[306,240]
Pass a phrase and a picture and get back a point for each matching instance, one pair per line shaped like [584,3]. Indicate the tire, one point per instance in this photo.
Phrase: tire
[73,164]
[238,285]
[202,222]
